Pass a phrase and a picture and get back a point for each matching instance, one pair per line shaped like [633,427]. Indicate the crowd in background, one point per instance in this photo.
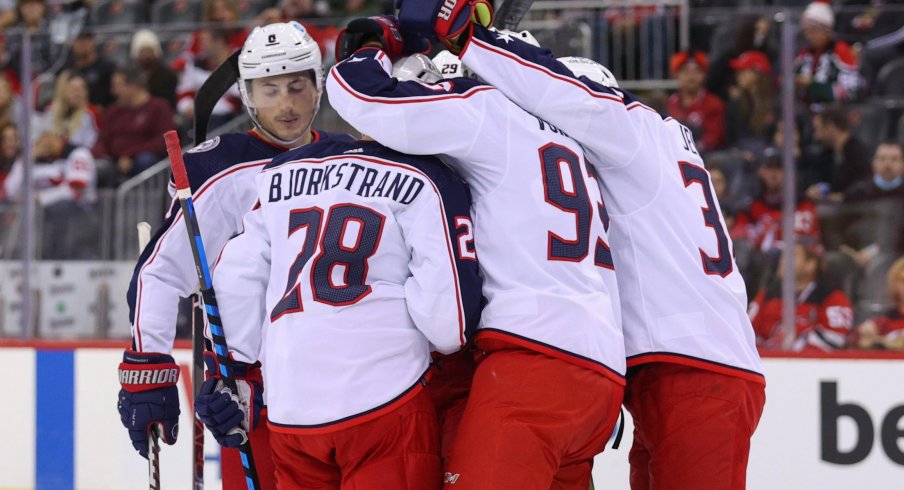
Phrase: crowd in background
[849,170]
[101,112]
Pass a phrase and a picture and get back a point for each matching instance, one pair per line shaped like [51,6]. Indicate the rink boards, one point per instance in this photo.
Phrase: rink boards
[830,423]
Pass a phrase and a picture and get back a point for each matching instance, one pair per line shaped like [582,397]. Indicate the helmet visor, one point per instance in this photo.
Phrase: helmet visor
[279,90]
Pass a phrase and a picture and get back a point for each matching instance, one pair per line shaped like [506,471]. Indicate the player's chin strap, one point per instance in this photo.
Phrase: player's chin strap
[272,137]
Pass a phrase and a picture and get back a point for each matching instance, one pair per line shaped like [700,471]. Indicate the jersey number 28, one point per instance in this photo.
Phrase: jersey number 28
[349,236]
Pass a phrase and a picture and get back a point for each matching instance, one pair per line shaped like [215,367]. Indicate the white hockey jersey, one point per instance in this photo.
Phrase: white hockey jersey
[221,172]
[682,297]
[538,218]
[357,260]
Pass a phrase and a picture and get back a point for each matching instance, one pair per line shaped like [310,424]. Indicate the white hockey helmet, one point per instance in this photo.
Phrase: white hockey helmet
[416,67]
[278,49]
[525,36]
[591,69]
[449,65]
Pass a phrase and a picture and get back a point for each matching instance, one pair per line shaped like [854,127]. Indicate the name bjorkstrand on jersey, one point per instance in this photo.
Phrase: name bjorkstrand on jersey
[364,181]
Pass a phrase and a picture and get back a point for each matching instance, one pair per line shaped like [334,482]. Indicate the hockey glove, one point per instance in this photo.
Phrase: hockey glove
[447,19]
[383,29]
[148,396]
[229,415]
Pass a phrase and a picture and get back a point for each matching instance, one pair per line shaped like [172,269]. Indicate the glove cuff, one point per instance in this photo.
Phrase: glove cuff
[143,371]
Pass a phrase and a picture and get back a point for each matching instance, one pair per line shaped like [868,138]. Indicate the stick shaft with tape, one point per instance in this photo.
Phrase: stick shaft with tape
[144,237]
[510,14]
[221,350]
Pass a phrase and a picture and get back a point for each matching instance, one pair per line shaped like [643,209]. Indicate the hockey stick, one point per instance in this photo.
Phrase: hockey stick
[144,237]
[510,14]
[183,193]
[197,378]
[212,90]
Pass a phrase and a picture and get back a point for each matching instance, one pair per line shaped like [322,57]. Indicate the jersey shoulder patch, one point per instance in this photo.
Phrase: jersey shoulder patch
[224,152]
[206,145]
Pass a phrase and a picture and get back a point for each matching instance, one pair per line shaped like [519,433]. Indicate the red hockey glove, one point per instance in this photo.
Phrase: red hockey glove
[383,29]
[449,19]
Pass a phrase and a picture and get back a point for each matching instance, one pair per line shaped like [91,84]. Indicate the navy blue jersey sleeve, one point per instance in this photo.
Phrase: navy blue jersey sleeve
[221,172]
[598,117]
[453,117]
[456,198]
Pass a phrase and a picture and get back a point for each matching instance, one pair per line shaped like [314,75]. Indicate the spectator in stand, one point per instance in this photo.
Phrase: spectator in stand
[148,55]
[826,70]
[222,15]
[886,181]
[33,17]
[97,71]
[778,139]
[7,13]
[132,131]
[762,223]
[886,330]
[720,187]
[303,11]
[64,180]
[886,184]
[751,34]
[70,114]
[823,315]
[8,69]
[214,50]
[839,160]
[702,112]
[757,230]
[750,112]
[11,108]
[9,152]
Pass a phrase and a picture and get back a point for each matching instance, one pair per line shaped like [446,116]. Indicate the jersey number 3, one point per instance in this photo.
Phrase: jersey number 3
[721,265]
[564,188]
[349,236]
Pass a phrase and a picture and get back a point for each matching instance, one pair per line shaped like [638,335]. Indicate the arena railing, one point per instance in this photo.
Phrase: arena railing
[634,38]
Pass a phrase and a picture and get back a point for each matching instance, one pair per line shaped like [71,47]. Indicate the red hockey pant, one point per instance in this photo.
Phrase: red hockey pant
[449,388]
[398,450]
[692,427]
[532,422]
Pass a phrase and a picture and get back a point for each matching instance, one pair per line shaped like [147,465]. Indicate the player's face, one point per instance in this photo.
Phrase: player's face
[888,162]
[285,104]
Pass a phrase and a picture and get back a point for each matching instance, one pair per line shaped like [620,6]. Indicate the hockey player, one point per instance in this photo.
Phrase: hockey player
[355,256]
[545,396]
[281,83]
[695,380]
